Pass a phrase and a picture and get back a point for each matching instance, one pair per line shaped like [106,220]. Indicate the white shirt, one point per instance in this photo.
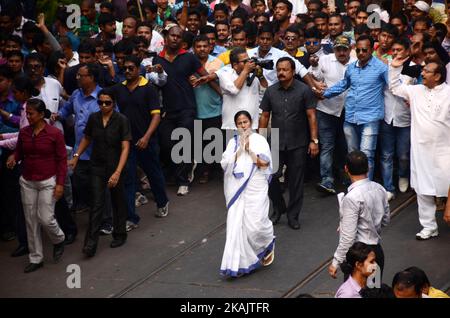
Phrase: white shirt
[157,42]
[430,134]
[75,60]
[298,6]
[275,54]
[51,95]
[234,100]
[331,71]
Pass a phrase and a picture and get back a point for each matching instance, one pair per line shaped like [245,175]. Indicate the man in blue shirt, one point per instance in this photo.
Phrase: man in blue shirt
[365,80]
[82,103]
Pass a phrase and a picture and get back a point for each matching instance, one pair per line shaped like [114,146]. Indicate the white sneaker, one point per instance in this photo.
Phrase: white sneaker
[131,226]
[426,234]
[183,190]
[403,184]
[191,174]
[390,195]
[162,212]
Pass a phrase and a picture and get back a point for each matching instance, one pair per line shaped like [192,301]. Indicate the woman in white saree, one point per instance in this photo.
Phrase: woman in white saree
[247,164]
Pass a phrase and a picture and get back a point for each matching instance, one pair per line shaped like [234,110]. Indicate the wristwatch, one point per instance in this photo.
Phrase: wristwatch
[76,155]
[315,140]
[10,115]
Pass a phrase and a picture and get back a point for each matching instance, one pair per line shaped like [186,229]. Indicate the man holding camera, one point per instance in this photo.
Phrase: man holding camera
[241,83]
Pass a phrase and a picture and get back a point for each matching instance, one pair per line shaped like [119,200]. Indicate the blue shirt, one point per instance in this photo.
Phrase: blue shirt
[209,103]
[81,106]
[365,99]
[10,105]
[218,50]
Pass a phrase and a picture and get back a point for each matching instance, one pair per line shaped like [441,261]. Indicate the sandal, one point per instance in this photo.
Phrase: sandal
[268,259]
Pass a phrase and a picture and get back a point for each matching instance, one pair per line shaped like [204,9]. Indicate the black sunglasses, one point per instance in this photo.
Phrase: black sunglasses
[104,102]
[361,50]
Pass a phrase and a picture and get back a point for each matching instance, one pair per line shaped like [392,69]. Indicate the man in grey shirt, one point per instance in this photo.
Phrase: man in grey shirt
[364,210]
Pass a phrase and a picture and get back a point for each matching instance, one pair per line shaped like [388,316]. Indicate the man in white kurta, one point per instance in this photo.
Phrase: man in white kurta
[430,138]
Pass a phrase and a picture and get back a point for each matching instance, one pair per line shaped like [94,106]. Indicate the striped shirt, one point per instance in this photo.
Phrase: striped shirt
[365,99]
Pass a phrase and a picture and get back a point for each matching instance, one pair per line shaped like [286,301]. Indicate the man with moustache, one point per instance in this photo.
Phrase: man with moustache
[293,108]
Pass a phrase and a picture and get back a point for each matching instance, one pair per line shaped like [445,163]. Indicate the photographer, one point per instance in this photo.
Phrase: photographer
[266,51]
[239,92]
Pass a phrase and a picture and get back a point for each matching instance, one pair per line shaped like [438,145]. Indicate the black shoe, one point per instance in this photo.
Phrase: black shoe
[70,238]
[293,224]
[8,236]
[89,251]
[275,217]
[116,243]
[20,251]
[32,267]
[58,251]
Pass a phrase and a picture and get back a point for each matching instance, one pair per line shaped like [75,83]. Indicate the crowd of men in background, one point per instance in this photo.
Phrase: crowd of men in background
[359,85]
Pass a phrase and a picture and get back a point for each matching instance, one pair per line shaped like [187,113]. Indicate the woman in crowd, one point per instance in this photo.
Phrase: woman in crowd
[247,164]
[110,134]
[358,266]
[41,149]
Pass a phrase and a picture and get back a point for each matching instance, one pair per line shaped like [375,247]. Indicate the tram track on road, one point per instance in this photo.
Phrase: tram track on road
[290,293]
[294,290]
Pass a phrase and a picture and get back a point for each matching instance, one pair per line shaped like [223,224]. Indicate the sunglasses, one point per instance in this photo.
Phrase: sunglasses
[290,38]
[361,50]
[312,43]
[104,102]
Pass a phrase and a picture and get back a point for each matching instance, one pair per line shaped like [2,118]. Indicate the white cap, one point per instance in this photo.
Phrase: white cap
[422,6]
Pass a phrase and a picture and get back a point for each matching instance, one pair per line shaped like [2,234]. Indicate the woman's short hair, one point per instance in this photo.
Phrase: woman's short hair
[358,252]
[107,92]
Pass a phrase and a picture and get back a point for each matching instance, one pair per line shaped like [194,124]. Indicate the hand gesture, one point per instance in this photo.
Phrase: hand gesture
[332,271]
[59,191]
[314,60]
[62,63]
[398,61]
[142,143]
[313,149]
[11,163]
[105,60]
[40,21]
[114,179]
[158,68]
[72,163]
[249,66]
[54,117]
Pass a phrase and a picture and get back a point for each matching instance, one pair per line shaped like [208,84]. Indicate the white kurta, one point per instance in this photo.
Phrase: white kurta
[249,229]
[430,134]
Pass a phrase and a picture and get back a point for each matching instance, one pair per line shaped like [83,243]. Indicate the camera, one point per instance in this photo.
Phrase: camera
[265,64]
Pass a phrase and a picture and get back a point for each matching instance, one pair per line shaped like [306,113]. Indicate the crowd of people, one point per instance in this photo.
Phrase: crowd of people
[88,114]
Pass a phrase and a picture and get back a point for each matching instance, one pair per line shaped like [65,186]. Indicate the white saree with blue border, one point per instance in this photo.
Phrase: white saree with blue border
[249,234]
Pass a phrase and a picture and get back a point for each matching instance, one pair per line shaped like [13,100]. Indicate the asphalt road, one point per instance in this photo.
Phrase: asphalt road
[179,256]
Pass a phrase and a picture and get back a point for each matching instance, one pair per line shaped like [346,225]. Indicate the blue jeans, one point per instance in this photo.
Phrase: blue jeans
[149,162]
[363,137]
[394,140]
[331,136]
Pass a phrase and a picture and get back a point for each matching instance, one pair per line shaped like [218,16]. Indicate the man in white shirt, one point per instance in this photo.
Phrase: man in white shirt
[265,51]
[237,93]
[330,69]
[430,135]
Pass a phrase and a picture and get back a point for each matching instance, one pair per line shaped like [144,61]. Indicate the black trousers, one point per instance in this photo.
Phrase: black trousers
[171,121]
[295,161]
[119,208]
[214,122]
[81,181]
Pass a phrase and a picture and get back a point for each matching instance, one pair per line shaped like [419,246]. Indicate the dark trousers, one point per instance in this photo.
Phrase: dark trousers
[214,122]
[119,208]
[81,181]
[10,202]
[295,160]
[171,121]
[149,162]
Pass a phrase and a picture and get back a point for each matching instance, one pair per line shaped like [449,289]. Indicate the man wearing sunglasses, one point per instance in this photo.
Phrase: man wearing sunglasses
[365,81]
